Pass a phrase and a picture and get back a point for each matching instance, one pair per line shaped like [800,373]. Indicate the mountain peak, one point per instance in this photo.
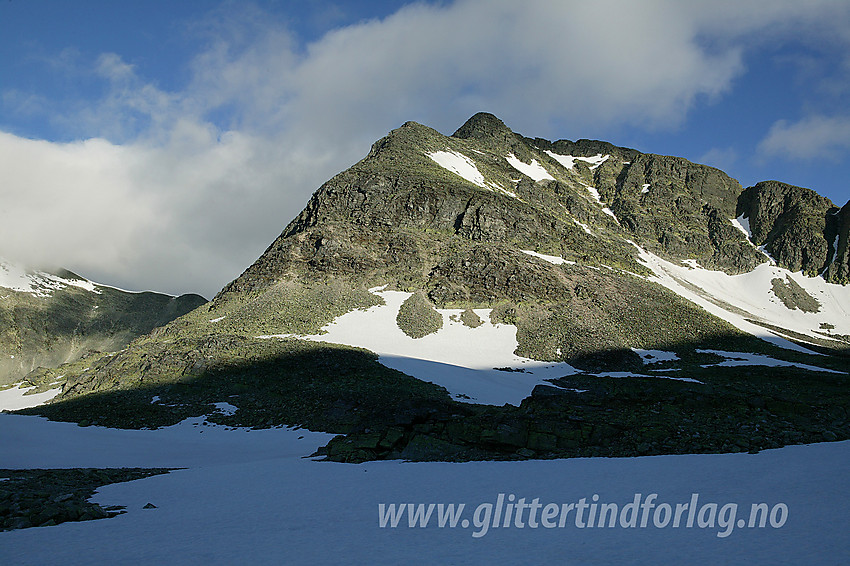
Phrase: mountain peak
[567,263]
[482,126]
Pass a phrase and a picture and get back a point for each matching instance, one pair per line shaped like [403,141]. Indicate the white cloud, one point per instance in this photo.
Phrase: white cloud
[194,184]
[814,137]
[185,216]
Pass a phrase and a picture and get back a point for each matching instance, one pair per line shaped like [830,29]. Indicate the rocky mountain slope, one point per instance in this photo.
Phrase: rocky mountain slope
[47,319]
[453,216]
[490,295]
[802,230]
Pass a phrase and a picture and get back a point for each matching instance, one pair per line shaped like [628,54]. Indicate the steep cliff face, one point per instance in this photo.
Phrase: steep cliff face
[680,210]
[839,267]
[796,226]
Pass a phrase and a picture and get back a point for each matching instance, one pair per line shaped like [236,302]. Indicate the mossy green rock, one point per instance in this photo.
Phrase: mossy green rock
[69,323]
[793,296]
[417,316]
[797,227]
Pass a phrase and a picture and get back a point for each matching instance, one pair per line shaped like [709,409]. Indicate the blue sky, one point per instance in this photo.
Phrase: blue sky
[164,144]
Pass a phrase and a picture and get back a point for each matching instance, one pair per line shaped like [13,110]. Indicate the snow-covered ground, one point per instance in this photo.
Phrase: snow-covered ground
[569,161]
[38,283]
[251,498]
[533,169]
[460,358]
[464,167]
[459,164]
[16,397]
[737,298]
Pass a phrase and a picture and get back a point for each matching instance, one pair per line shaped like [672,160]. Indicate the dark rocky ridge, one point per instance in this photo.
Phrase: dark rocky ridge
[796,226]
[839,270]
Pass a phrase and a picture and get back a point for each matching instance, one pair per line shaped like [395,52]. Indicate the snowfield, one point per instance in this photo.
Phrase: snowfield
[250,497]
[460,358]
[16,397]
[749,296]
[569,161]
[38,283]
[533,169]
[464,167]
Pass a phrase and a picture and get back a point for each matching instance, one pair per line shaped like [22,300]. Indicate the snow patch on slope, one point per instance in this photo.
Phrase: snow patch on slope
[460,358]
[734,359]
[835,249]
[624,374]
[595,161]
[655,356]
[461,165]
[226,408]
[583,226]
[557,260]
[533,169]
[38,283]
[16,398]
[596,196]
[742,223]
[457,357]
[568,161]
[737,298]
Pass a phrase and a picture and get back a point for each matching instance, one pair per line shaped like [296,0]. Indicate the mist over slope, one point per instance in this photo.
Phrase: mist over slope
[47,319]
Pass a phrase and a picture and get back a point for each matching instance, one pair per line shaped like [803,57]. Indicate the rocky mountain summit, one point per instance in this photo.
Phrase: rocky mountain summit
[453,216]
[489,295]
[802,230]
